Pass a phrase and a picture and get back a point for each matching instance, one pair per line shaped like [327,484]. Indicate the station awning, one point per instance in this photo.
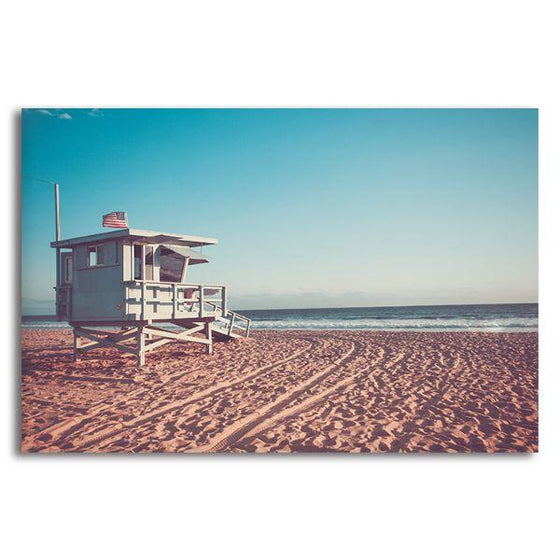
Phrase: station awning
[195,257]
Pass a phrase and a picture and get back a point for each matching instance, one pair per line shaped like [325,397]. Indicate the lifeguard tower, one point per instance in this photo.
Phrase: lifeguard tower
[137,280]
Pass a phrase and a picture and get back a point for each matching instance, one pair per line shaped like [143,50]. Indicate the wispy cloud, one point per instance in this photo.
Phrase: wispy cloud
[65,116]
[56,114]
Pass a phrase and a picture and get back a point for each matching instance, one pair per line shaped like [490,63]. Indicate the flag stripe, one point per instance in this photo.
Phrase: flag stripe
[115,220]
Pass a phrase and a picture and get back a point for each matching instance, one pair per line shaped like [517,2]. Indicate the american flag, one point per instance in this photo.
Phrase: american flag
[115,219]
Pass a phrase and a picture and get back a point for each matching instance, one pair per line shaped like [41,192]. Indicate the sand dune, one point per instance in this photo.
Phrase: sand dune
[316,391]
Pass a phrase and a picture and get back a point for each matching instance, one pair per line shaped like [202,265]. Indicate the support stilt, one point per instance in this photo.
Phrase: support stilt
[140,337]
[76,346]
[208,331]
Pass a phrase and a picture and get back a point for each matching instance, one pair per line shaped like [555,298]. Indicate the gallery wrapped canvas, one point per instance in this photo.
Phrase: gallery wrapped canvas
[369,281]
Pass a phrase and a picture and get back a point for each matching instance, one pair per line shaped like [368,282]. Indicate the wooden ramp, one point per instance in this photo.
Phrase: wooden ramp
[230,325]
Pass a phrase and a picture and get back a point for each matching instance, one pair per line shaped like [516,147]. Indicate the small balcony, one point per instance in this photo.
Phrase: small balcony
[147,300]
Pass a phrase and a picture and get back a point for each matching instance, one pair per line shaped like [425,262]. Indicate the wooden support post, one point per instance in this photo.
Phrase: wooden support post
[201,301]
[208,329]
[140,338]
[132,275]
[184,271]
[174,298]
[143,262]
[76,345]
[141,347]
[69,303]
[143,301]
[224,301]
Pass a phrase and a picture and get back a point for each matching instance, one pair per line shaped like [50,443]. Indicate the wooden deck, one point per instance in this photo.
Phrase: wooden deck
[164,301]
[157,313]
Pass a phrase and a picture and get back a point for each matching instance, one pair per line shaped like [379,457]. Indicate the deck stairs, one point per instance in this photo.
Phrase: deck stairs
[229,325]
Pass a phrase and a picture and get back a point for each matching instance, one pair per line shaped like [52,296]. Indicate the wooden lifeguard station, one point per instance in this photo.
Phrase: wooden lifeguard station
[137,280]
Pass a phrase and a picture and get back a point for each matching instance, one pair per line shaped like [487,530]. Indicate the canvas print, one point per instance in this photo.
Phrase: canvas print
[279,281]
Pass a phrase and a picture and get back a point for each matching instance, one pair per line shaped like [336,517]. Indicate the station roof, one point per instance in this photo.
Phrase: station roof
[139,236]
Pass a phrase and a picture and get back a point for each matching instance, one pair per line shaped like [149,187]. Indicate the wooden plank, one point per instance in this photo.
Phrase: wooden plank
[156,344]
[143,262]
[96,343]
[69,303]
[122,323]
[105,344]
[76,346]
[170,284]
[102,342]
[162,332]
[132,262]
[208,330]
[116,336]
[193,339]
[101,332]
[185,269]
[181,337]
[141,359]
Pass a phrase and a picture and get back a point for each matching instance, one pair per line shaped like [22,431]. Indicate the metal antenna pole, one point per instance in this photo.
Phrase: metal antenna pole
[57,225]
[57,211]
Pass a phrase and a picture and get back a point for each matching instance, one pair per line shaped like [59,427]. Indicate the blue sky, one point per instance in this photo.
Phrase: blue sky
[312,207]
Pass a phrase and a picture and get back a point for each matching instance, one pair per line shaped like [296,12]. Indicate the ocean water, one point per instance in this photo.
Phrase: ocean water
[498,317]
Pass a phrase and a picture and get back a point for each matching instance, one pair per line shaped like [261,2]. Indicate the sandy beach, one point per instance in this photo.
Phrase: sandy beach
[295,391]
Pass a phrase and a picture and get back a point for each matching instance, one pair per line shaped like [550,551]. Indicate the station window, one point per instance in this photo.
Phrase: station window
[171,266]
[95,255]
[149,272]
[67,269]
[137,262]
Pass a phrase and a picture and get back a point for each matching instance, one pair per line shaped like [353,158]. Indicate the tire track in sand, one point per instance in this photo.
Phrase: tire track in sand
[242,427]
[65,427]
[273,419]
[65,377]
[382,363]
[381,366]
[142,419]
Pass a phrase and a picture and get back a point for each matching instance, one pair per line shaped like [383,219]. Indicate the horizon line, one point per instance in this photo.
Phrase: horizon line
[386,306]
[345,307]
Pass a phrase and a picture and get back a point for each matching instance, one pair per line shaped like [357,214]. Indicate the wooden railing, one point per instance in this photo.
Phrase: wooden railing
[185,300]
[233,321]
